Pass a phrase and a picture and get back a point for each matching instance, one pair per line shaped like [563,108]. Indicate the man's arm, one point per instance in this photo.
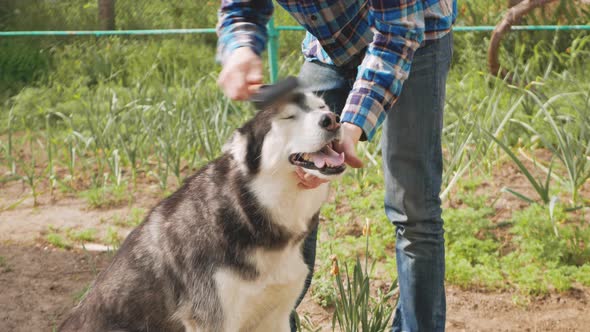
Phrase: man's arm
[399,30]
[242,38]
[242,23]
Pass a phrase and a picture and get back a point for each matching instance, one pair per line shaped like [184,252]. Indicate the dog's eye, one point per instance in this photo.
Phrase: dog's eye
[290,117]
[322,107]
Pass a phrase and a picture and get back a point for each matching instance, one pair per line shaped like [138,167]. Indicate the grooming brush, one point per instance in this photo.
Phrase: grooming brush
[273,94]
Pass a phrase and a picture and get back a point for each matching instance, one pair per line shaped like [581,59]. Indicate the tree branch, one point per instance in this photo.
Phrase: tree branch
[511,17]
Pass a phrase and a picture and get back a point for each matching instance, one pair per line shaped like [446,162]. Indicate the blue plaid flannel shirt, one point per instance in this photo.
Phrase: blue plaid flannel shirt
[389,32]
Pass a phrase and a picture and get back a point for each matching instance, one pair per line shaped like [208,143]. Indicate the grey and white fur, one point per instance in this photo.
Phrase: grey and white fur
[223,253]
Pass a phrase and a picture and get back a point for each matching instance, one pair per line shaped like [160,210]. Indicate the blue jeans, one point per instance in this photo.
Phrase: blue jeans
[412,164]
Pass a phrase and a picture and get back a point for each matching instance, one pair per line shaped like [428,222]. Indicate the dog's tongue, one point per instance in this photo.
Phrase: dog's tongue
[327,155]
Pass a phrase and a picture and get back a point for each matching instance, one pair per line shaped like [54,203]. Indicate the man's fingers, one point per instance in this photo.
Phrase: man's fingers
[253,88]
[237,89]
[306,185]
[353,161]
[236,93]
[314,182]
[241,75]
[303,186]
[234,87]
[300,173]
[254,76]
[229,83]
[350,156]
[308,181]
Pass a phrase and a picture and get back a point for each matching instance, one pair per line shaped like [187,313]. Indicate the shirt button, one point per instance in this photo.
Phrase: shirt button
[313,17]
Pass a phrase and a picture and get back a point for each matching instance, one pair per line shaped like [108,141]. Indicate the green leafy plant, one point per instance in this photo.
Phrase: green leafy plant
[305,324]
[355,308]
[541,187]
[571,137]
[31,174]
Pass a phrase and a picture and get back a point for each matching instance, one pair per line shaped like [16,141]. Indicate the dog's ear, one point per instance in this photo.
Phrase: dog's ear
[253,134]
[300,99]
[229,146]
[296,97]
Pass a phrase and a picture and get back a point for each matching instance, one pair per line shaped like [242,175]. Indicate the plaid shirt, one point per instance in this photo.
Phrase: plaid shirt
[388,32]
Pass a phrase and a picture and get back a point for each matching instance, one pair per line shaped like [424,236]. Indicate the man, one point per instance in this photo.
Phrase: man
[358,54]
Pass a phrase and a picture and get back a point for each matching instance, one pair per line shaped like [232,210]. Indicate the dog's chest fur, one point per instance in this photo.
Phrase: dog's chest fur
[264,223]
[282,272]
[259,304]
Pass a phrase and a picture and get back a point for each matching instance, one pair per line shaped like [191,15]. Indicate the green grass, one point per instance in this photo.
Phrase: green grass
[65,238]
[84,235]
[520,252]
[131,219]
[4,266]
[112,237]
[109,116]
[106,196]
[306,324]
[79,295]
[58,241]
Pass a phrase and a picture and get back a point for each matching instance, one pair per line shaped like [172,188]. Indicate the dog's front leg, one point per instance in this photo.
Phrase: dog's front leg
[279,324]
[192,326]
[276,320]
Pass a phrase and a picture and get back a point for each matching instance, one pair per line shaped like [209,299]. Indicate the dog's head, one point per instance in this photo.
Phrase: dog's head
[299,132]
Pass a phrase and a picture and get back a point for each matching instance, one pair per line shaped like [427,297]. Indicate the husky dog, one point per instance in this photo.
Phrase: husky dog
[224,252]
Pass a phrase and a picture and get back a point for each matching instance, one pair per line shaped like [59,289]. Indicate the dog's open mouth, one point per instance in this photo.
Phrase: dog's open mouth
[326,160]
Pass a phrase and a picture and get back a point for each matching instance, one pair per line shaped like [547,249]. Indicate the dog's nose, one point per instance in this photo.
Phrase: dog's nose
[330,121]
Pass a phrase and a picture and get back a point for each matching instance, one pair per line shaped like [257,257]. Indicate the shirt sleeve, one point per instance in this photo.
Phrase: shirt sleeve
[398,28]
[242,23]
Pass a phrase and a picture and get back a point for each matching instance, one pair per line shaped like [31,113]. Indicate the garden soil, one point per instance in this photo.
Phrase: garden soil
[40,284]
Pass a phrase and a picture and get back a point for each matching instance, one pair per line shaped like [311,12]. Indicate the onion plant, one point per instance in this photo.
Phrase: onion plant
[569,141]
[355,308]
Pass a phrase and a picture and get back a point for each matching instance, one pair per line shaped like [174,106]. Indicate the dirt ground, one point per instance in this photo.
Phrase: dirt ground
[40,283]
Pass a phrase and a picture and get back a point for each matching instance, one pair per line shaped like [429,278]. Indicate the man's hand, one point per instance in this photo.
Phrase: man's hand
[308,181]
[347,144]
[241,75]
